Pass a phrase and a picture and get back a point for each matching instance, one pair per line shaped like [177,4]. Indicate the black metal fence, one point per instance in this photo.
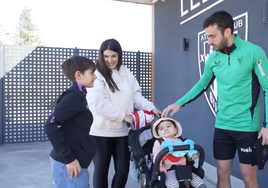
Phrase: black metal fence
[30,88]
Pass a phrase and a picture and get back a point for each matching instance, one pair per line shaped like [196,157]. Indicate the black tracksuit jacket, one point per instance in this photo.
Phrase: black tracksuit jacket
[68,128]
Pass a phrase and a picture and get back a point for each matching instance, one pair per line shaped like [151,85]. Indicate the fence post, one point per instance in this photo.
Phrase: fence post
[2,95]
[76,51]
[138,77]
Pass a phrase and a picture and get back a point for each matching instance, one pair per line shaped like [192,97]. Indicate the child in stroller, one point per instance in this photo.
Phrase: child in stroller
[167,131]
[141,142]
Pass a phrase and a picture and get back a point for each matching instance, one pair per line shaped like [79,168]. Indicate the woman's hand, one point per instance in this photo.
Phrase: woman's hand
[129,119]
[157,112]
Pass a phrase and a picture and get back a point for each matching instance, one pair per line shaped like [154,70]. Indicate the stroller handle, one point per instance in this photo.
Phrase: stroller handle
[179,148]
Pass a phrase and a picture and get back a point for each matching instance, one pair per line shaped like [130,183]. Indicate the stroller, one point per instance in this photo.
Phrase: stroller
[149,174]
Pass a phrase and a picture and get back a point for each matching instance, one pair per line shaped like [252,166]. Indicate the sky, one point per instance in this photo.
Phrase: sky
[83,23]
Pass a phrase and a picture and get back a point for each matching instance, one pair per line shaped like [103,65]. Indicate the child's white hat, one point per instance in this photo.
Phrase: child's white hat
[176,123]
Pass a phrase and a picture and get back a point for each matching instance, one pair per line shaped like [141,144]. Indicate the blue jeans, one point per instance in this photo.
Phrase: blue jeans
[61,178]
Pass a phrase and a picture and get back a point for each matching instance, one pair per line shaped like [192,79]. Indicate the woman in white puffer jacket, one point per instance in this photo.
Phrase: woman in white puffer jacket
[113,98]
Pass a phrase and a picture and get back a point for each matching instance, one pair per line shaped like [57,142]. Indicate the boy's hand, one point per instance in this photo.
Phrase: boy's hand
[74,168]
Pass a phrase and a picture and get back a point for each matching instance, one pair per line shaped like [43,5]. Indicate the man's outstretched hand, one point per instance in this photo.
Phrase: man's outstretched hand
[174,108]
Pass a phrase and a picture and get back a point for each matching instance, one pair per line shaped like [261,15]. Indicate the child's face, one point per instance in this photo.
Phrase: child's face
[87,79]
[167,129]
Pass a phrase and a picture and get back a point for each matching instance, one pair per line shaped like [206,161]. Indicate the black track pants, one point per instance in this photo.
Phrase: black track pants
[116,147]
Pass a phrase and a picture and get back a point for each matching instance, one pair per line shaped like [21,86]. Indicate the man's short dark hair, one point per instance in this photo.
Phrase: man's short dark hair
[222,19]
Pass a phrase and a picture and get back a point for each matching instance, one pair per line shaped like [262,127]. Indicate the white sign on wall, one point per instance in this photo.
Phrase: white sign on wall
[192,8]
[204,49]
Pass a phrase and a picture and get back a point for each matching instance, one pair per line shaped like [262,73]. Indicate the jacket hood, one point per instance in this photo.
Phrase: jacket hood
[178,125]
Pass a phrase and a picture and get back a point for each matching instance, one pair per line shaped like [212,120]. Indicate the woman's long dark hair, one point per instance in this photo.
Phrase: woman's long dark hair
[110,44]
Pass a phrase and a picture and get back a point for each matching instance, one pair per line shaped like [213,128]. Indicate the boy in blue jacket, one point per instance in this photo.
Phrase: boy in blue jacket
[69,125]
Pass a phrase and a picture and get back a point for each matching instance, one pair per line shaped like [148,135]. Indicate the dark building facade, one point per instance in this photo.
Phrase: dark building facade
[179,67]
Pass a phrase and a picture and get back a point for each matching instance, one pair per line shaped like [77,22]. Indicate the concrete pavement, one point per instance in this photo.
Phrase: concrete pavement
[27,165]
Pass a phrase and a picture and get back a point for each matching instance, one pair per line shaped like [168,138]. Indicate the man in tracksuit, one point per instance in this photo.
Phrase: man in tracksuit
[240,68]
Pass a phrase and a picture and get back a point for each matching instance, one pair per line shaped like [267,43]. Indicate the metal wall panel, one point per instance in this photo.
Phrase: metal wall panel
[34,80]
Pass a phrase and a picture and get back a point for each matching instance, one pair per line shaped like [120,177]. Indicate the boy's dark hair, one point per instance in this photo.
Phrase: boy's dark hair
[156,128]
[222,19]
[110,44]
[76,63]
